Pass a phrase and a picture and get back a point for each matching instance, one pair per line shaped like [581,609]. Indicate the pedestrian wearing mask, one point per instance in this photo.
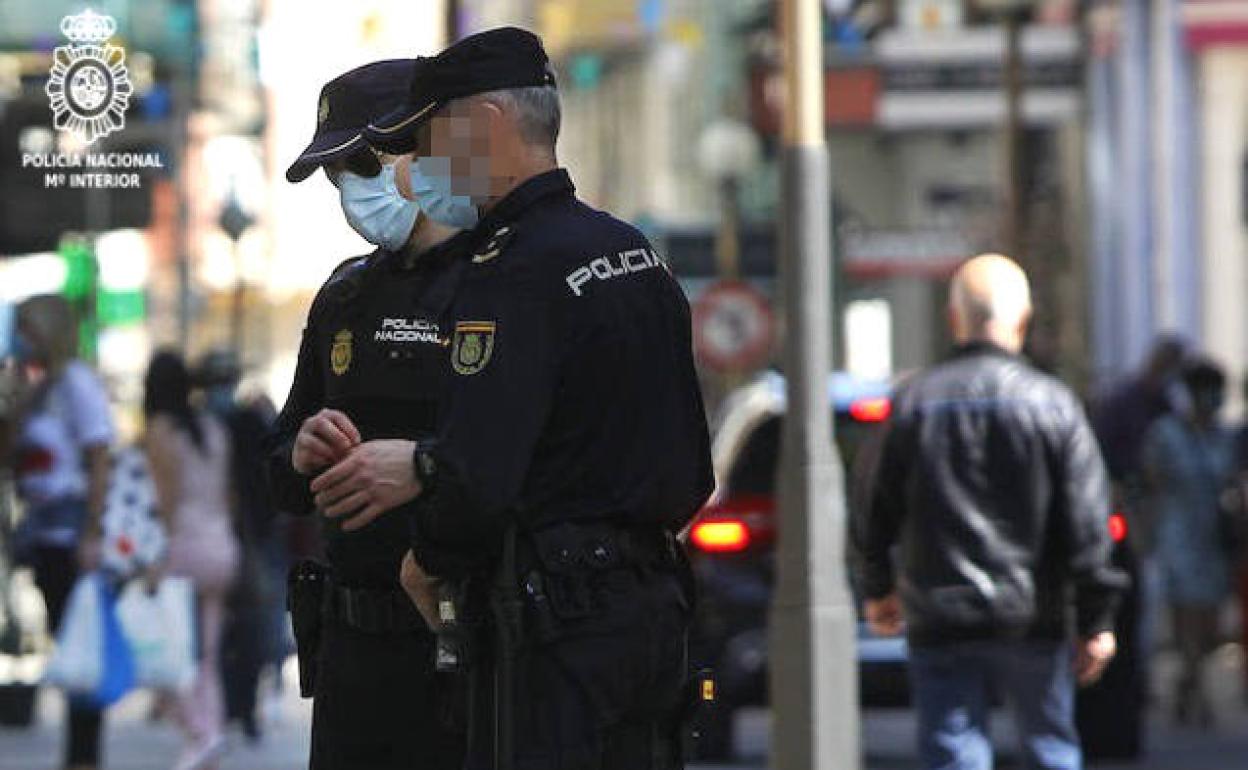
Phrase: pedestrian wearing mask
[189,453]
[1189,462]
[61,466]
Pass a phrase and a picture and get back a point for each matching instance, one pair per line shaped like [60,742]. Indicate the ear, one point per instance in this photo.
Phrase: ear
[1024,323]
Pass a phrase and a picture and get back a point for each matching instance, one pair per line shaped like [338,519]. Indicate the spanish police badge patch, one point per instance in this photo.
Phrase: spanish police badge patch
[340,353]
[472,346]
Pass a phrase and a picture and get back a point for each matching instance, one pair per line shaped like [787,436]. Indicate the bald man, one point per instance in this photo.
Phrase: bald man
[987,537]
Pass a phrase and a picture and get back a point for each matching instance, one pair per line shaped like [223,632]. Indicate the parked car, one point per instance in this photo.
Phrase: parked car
[731,543]
[731,546]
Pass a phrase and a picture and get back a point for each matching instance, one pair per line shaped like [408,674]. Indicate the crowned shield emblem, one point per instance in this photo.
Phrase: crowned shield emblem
[472,346]
[340,353]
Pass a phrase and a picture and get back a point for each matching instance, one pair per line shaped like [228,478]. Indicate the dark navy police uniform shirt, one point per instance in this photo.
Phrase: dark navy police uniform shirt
[374,350]
[571,394]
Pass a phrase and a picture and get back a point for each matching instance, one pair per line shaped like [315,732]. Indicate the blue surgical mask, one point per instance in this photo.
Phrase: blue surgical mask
[431,186]
[219,399]
[376,210]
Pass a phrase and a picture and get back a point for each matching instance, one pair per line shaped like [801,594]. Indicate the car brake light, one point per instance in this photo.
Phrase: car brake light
[871,409]
[1118,527]
[720,536]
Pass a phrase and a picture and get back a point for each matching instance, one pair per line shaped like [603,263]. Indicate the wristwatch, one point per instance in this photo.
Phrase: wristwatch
[425,465]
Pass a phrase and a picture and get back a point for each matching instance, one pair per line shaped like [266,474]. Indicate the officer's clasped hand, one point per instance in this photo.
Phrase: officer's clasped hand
[324,439]
[375,477]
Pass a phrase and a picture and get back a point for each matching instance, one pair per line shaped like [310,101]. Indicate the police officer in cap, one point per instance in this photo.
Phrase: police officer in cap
[573,442]
[371,364]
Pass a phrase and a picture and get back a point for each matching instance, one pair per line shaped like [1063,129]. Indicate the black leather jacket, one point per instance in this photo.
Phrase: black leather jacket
[993,489]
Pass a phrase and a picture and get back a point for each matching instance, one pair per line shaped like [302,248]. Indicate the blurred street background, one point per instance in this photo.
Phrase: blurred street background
[1103,143]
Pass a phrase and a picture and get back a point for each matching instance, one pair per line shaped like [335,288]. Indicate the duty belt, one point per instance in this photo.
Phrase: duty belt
[374,611]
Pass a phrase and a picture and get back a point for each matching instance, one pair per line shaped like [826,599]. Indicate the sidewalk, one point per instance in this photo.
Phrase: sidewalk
[132,742]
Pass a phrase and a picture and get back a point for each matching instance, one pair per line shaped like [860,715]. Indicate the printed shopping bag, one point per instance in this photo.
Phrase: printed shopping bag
[133,536]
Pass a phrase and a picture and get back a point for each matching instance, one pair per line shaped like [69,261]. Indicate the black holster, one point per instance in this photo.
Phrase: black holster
[307,591]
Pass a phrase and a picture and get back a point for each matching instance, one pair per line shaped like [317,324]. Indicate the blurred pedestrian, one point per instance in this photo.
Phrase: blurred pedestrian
[61,465]
[1189,465]
[1122,418]
[189,452]
[992,485]
[256,611]
[1242,587]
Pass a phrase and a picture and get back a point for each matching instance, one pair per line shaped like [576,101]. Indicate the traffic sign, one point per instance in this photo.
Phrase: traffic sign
[732,327]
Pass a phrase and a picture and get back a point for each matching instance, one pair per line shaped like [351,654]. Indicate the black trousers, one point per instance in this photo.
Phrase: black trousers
[379,704]
[242,660]
[56,571]
[603,692]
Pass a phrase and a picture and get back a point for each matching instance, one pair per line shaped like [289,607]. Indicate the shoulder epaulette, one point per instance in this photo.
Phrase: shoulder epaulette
[351,267]
[494,245]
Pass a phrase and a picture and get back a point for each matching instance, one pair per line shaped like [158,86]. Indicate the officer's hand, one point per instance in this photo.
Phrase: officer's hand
[325,438]
[884,616]
[378,475]
[1092,655]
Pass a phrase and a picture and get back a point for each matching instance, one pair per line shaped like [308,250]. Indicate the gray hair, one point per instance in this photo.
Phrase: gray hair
[537,111]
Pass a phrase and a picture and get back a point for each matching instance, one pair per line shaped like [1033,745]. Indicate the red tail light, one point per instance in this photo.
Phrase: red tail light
[720,536]
[735,524]
[1118,527]
[871,409]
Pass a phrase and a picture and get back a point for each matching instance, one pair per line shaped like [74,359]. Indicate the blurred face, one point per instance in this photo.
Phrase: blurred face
[1207,401]
[465,144]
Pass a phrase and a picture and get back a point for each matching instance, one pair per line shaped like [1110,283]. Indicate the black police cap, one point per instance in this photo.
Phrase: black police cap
[507,57]
[347,104]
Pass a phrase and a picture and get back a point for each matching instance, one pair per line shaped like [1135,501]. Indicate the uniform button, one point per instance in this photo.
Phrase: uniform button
[394,354]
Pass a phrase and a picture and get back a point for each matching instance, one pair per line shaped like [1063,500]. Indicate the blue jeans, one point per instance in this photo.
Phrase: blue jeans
[953,687]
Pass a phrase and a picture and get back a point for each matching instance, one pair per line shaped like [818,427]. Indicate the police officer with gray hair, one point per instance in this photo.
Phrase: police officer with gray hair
[371,364]
[572,442]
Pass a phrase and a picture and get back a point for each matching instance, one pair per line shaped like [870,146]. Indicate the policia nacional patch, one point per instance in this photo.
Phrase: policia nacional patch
[340,353]
[472,346]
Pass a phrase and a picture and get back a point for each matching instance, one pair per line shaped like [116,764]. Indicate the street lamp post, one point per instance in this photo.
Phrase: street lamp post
[1013,13]
[234,222]
[814,678]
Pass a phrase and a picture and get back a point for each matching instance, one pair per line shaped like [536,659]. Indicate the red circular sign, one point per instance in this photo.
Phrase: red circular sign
[732,326]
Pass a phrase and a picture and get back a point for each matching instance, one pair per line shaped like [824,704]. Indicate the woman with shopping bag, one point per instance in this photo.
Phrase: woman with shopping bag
[189,455]
[61,466]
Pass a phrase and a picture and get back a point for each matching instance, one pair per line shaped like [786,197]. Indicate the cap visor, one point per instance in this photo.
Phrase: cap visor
[325,148]
[395,132]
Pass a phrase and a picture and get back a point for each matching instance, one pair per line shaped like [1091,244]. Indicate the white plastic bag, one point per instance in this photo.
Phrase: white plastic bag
[77,665]
[160,628]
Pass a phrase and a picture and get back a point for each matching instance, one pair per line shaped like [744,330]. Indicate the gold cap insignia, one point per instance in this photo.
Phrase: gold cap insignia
[340,353]
[472,346]
[322,112]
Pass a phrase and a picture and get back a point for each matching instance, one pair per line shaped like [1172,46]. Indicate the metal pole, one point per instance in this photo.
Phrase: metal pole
[814,678]
[238,309]
[1013,134]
